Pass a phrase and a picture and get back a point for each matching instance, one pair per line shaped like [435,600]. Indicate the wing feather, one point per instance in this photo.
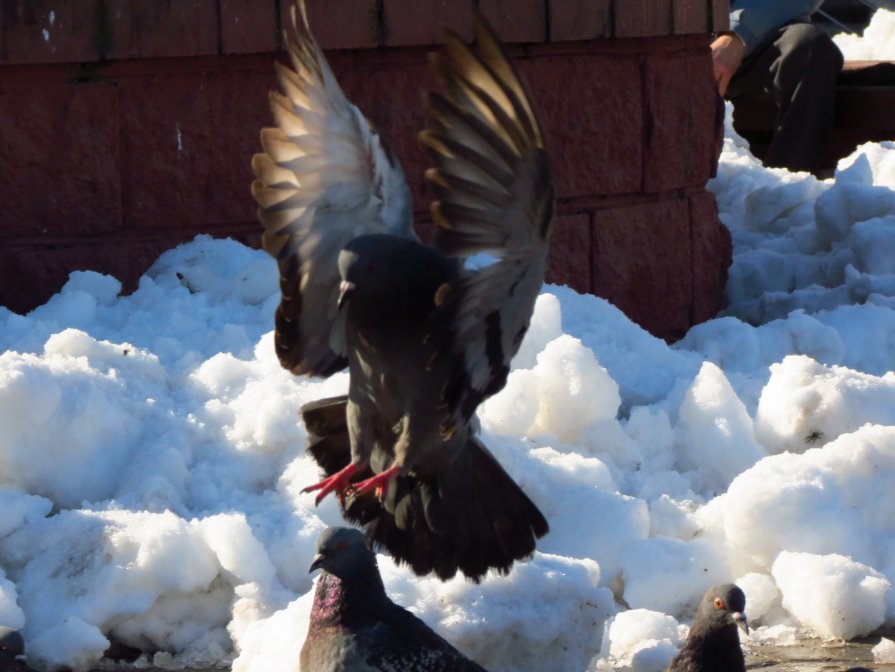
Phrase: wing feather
[494,193]
[324,177]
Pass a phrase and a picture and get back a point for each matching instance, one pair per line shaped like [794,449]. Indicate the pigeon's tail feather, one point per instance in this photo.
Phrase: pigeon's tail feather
[471,517]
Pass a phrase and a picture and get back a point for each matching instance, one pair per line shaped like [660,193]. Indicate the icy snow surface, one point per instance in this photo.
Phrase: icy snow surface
[151,457]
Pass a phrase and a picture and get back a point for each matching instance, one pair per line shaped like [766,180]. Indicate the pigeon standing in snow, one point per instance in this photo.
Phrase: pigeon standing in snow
[355,626]
[425,338]
[713,644]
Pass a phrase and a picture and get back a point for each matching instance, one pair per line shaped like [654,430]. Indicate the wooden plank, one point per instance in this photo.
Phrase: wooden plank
[720,15]
[579,19]
[642,18]
[691,16]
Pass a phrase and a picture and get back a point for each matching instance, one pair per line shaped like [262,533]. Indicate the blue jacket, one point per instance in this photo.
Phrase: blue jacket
[754,20]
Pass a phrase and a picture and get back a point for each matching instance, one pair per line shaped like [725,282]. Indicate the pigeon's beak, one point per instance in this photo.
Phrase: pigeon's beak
[345,289]
[740,619]
[317,563]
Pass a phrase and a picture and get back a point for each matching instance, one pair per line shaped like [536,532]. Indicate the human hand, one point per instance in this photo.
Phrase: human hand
[728,51]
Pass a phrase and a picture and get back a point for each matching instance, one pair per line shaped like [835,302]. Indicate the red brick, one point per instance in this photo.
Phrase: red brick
[591,113]
[414,22]
[516,20]
[149,28]
[579,19]
[568,262]
[720,15]
[346,24]
[50,31]
[642,18]
[691,16]
[61,169]
[642,264]
[683,121]
[190,142]
[711,257]
[248,26]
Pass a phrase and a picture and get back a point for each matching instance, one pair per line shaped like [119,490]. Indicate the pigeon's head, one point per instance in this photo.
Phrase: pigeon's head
[369,263]
[723,605]
[11,644]
[342,551]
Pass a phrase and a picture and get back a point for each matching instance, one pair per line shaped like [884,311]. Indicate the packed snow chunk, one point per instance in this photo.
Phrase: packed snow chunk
[545,326]
[835,596]
[806,404]
[651,430]
[273,642]
[567,395]
[143,576]
[11,614]
[104,288]
[670,575]
[877,43]
[71,643]
[870,164]
[714,435]
[835,499]
[639,640]
[874,245]
[546,614]
[762,595]
[848,203]
[567,484]
[884,652]
[19,508]
[728,342]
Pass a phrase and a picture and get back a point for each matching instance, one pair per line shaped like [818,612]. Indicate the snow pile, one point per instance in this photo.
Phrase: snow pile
[151,458]
[800,243]
[877,42]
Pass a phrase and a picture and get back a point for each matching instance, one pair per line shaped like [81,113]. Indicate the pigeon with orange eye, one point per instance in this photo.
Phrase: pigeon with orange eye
[713,644]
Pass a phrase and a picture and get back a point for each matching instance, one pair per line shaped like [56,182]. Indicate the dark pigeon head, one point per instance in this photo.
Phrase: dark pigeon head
[342,551]
[11,644]
[721,606]
[380,267]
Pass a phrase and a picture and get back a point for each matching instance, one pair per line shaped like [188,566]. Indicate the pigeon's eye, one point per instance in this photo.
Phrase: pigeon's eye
[719,603]
[369,268]
[341,546]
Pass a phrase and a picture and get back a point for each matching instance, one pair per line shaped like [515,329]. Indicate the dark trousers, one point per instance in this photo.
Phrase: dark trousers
[796,68]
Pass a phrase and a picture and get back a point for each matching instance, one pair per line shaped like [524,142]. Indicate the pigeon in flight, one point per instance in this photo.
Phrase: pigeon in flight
[426,338]
[355,626]
[714,643]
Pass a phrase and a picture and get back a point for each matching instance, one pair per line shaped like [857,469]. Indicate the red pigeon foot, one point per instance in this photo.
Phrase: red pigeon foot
[378,484]
[339,481]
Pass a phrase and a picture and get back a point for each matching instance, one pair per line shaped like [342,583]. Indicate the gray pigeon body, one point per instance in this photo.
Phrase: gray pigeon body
[713,644]
[425,339]
[355,626]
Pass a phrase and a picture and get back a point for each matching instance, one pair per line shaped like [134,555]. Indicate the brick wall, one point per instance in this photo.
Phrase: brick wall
[127,126]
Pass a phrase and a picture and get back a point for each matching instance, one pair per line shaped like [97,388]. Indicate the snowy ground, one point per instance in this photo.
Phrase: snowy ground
[151,457]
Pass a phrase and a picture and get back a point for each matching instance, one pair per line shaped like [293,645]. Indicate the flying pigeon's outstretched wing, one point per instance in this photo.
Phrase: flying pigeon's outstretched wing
[494,194]
[324,178]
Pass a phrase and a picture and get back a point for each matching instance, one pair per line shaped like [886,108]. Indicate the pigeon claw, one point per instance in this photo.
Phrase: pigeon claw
[378,484]
[339,482]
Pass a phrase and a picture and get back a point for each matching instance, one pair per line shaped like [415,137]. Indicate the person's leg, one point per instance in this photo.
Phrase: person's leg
[804,89]
[796,69]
